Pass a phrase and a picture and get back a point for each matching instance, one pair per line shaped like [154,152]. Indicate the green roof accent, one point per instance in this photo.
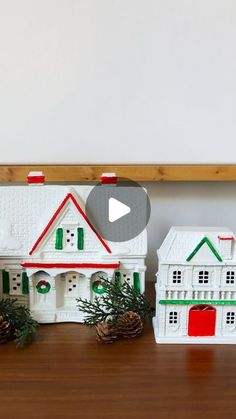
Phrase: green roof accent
[213,302]
[210,245]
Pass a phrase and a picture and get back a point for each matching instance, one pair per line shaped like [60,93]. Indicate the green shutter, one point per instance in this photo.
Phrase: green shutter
[59,239]
[118,279]
[136,277]
[25,283]
[5,282]
[80,243]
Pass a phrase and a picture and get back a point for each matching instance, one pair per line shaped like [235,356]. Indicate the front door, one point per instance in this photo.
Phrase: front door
[202,320]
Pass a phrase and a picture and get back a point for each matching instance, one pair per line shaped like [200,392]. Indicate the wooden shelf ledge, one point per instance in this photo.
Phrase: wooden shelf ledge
[92,173]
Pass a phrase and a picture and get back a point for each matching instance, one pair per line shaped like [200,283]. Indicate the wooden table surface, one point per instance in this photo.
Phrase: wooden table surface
[67,374]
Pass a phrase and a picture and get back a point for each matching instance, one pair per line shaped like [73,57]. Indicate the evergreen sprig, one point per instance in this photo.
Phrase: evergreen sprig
[19,316]
[116,300]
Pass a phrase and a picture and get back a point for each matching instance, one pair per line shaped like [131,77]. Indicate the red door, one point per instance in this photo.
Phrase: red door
[202,320]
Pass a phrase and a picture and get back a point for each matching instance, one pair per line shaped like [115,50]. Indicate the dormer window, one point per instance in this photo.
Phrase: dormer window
[70,238]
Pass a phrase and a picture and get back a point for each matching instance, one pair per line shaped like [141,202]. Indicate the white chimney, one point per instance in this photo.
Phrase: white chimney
[226,246]
[36,178]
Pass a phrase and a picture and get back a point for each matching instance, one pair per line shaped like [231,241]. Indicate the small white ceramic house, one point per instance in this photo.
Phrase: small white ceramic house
[50,253]
[196,286]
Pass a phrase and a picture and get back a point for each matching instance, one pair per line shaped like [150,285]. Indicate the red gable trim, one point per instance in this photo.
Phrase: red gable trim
[69,196]
[225,238]
[70,265]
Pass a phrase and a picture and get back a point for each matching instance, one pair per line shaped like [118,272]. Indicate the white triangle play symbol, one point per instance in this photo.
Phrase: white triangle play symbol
[117,210]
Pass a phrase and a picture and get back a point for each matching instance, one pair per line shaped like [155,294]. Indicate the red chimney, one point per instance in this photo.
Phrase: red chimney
[36,178]
[109,179]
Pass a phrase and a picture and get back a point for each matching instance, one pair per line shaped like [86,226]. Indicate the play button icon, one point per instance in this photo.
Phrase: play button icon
[117,210]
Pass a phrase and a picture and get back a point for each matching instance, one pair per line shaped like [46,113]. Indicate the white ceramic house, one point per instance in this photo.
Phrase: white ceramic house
[196,286]
[50,253]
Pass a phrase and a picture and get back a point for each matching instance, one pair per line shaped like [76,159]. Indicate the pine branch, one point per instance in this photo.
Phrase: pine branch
[116,301]
[24,326]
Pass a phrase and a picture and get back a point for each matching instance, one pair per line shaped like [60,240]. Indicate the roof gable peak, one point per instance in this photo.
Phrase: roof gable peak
[206,241]
[69,197]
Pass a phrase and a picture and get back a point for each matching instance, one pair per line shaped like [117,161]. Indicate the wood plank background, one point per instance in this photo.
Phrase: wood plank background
[88,173]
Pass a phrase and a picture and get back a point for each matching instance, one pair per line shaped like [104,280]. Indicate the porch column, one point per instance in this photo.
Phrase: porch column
[88,294]
[53,291]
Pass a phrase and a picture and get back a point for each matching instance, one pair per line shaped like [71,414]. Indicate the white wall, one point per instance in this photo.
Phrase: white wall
[187,203]
[117,81]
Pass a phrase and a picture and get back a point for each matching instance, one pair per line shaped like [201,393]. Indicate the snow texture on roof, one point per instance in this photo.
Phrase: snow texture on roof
[26,210]
[181,241]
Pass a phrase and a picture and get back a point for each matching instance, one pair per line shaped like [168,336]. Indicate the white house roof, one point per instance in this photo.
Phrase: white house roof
[26,210]
[180,242]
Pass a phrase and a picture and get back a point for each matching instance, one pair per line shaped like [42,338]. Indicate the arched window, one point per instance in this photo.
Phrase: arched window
[230,277]
[203,277]
[177,277]
[230,317]
[173,317]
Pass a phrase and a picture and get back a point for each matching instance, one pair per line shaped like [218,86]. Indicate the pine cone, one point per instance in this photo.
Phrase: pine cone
[129,325]
[5,330]
[106,332]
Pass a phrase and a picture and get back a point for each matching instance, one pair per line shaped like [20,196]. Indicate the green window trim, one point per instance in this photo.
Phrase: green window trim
[5,282]
[80,242]
[198,247]
[59,239]
[136,278]
[195,302]
[118,278]
[25,283]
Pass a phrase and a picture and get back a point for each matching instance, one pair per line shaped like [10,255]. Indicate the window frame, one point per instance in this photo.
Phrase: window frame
[229,277]
[173,318]
[176,276]
[230,318]
[13,279]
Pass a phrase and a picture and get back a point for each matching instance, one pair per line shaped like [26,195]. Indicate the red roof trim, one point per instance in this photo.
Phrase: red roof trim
[70,265]
[225,238]
[69,196]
